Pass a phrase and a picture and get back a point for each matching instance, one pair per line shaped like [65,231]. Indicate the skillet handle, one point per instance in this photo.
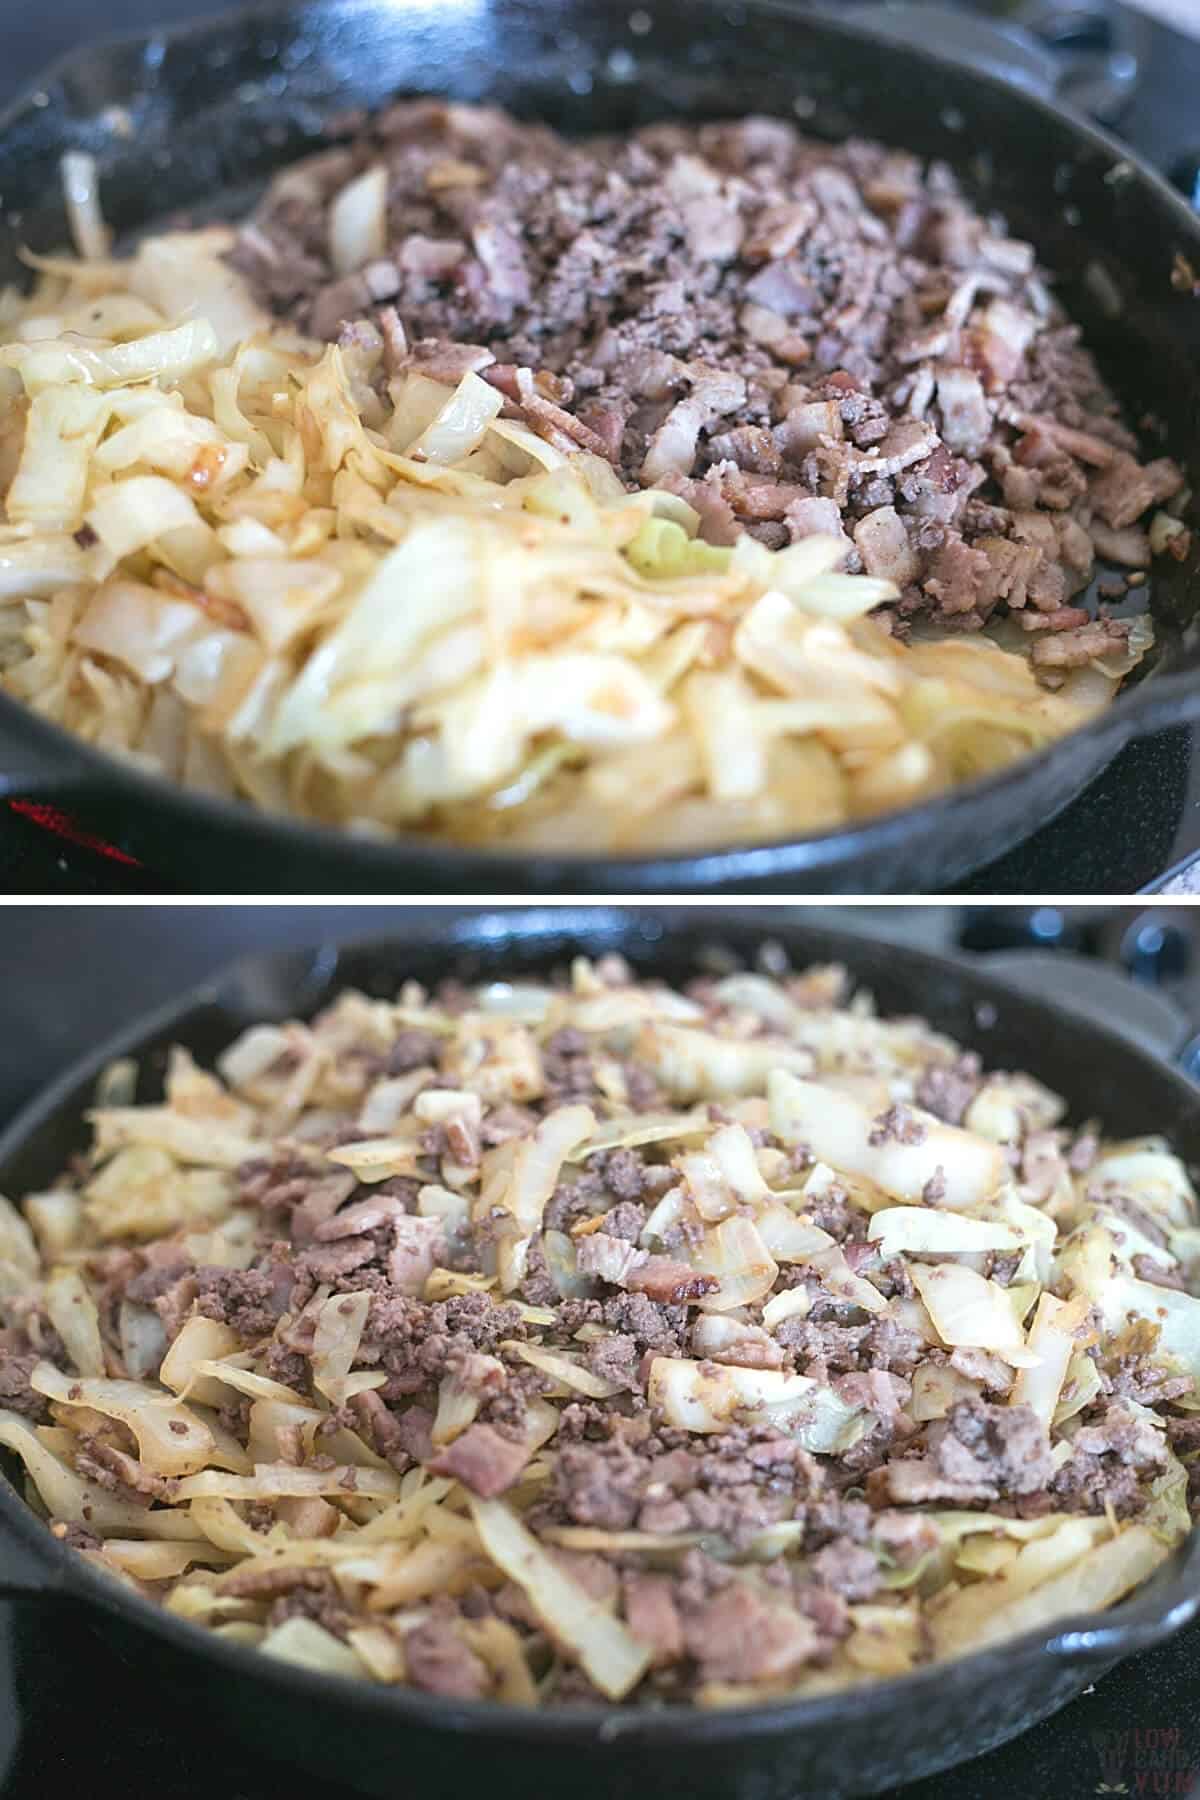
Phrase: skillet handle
[1097,991]
[1136,1627]
[1140,1622]
[1074,50]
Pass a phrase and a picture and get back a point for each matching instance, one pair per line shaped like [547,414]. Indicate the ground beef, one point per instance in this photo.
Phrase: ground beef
[483,1460]
[979,1452]
[538,1286]
[316,1598]
[626,1220]
[600,1485]
[652,1614]
[439,1661]
[896,1126]
[617,1359]
[733,1484]
[641,1087]
[762,323]
[834,1213]
[101,1461]
[75,1537]
[250,1301]
[651,1325]
[741,1634]
[946,1090]
[1112,1457]
[567,1066]
[577,1199]
[413,1050]
[850,1569]
[15,1392]
[624,1173]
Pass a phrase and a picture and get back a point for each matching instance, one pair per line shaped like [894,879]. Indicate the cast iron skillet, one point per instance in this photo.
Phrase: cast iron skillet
[378,1739]
[184,118]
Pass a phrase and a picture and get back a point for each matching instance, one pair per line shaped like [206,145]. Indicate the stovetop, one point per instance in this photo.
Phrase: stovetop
[1134,827]
[72,1721]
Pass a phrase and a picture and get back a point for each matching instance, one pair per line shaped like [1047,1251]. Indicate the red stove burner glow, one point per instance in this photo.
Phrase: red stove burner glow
[61,825]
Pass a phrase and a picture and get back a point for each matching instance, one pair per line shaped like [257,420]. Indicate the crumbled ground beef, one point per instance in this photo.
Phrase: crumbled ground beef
[897,1126]
[1109,1457]
[438,1660]
[15,1391]
[618,1359]
[979,1452]
[734,1483]
[250,1301]
[316,1599]
[948,1090]
[792,336]
[413,1050]
[567,1066]
[624,1173]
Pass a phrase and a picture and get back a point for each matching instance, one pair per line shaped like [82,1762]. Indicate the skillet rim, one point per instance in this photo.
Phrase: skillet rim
[72,765]
[1081,1640]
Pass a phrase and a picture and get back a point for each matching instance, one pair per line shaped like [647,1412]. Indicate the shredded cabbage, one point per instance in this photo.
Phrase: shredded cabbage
[259,568]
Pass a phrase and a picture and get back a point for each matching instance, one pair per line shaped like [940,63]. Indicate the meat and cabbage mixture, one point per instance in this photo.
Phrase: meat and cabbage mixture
[603,1341]
[794,337]
[702,486]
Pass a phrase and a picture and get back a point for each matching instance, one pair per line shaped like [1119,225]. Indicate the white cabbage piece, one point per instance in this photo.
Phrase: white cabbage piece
[1177,1315]
[968,1309]
[604,1647]
[1058,1333]
[74,1315]
[66,1495]
[922,1228]
[568,1372]
[340,1324]
[838,1129]
[1147,1172]
[358,221]
[734,1252]
[62,430]
[163,355]
[705,1397]
[698,1065]
[171,1440]
[310,1646]
[517,1185]
[984,1614]
[1009,1105]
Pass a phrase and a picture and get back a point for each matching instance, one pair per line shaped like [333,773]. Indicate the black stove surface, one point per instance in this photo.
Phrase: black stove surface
[1137,822]
[75,1722]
